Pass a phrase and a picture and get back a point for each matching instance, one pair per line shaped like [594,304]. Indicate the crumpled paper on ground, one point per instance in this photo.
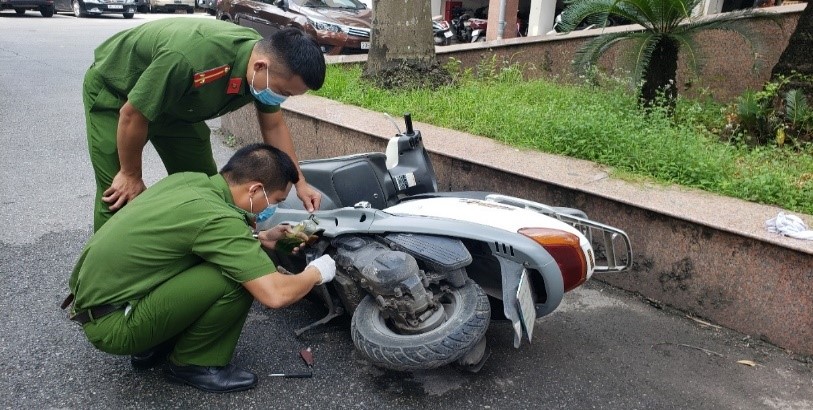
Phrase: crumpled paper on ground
[789,225]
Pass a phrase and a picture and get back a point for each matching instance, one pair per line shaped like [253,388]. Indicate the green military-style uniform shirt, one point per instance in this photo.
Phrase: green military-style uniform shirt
[177,72]
[183,220]
[180,70]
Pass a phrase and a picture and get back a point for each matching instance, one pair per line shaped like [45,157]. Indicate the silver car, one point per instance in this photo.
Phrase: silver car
[84,8]
[172,6]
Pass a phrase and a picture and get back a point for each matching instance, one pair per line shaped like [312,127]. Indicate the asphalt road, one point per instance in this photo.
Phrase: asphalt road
[602,348]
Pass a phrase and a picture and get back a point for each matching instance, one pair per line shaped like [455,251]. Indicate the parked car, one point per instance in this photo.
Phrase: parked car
[84,8]
[209,6]
[171,6]
[45,7]
[339,26]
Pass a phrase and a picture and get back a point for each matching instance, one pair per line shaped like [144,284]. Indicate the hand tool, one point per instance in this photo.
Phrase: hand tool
[307,355]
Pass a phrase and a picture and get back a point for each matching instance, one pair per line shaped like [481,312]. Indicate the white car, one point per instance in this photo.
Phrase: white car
[85,8]
[172,6]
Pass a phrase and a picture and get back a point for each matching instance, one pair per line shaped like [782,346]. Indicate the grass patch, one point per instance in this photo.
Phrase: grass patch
[600,124]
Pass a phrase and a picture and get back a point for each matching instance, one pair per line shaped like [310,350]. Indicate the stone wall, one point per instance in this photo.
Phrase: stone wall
[728,69]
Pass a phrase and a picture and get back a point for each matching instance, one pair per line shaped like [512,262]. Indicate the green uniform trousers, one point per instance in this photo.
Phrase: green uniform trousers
[181,146]
[200,308]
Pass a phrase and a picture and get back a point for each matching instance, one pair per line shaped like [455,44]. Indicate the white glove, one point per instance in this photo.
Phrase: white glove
[327,268]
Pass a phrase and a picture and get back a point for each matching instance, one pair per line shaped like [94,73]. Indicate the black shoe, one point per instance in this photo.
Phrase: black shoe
[151,357]
[224,379]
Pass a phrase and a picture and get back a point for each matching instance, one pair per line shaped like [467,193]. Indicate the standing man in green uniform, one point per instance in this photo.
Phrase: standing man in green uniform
[177,269]
[160,81]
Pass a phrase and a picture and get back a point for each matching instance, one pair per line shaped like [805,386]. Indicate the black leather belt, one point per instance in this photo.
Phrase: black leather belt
[94,313]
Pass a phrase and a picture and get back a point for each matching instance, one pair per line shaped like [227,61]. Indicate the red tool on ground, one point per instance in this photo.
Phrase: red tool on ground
[307,356]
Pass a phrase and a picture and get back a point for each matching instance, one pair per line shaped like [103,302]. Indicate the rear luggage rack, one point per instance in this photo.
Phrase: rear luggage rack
[612,247]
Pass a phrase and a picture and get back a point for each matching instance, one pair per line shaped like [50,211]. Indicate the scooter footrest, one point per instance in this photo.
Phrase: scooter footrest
[440,253]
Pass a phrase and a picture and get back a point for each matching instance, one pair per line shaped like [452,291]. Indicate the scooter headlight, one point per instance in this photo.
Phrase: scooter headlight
[566,250]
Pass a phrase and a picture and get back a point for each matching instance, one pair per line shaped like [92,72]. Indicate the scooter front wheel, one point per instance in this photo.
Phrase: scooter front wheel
[467,316]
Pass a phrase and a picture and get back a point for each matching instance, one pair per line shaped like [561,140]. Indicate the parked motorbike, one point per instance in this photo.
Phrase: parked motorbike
[442,31]
[468,29]
[422,272]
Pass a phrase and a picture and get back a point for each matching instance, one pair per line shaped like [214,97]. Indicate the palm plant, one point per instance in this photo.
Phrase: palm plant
[668,27]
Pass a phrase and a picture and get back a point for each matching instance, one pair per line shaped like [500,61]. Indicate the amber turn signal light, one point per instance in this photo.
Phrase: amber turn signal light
[566,250]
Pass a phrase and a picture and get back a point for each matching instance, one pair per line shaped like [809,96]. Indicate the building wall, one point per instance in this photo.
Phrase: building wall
[728,70]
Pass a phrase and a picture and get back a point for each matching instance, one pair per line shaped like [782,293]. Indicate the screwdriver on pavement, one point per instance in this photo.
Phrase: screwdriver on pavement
[306,355]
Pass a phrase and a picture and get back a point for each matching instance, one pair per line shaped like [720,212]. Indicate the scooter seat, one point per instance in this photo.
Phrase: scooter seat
[345,181]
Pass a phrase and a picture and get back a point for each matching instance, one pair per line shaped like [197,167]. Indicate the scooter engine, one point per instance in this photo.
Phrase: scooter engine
[394,279]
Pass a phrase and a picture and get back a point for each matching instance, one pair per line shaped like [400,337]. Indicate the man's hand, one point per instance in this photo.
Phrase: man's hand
[123,190]
[310,197]
[326,266]
[277,291]
[269,237]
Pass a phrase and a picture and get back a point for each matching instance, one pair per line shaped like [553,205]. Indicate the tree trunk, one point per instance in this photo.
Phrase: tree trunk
[402,49]
[798,56]
[659,79]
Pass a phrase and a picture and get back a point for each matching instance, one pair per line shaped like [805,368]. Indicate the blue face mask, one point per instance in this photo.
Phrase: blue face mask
[267,96]
[266,213]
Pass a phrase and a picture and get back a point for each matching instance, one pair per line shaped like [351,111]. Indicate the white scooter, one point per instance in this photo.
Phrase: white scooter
[441,31]
[421,271]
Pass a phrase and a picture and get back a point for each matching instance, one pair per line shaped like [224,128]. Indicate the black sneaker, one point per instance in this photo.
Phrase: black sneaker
[229,378]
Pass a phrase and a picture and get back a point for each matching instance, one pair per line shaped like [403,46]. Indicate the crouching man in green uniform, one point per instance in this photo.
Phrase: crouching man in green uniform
[175,271]
[160,81]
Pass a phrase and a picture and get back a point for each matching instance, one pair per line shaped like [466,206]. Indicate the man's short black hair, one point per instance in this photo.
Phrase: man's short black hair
[261,162]
[296,50]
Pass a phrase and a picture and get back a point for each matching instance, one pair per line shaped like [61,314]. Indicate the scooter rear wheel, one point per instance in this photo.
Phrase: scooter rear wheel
[467,316]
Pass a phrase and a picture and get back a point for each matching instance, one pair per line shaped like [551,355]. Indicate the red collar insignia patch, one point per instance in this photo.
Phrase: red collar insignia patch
[234,85]
[208,76]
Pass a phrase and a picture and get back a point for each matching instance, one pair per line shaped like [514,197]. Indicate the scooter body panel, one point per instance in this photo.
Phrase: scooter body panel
[504,244]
